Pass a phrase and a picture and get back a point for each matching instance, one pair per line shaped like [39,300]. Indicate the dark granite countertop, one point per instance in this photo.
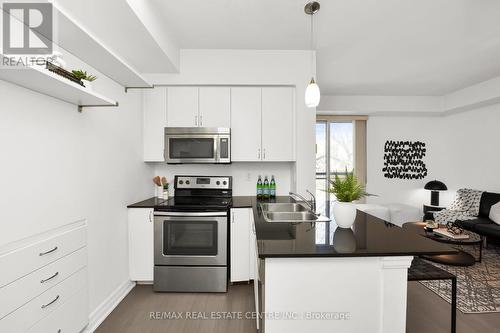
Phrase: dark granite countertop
[148,203]
[238,202]
[369,236]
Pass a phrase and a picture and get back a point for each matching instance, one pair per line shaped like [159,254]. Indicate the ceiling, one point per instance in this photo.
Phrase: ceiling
[364,47]
[113,22]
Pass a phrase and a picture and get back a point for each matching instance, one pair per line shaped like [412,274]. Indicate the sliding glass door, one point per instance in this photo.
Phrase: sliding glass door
[334,154]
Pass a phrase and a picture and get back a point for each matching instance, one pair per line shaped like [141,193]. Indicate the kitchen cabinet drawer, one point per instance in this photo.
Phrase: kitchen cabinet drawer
[43,305]
[22,261]
[21,291]
[70,317]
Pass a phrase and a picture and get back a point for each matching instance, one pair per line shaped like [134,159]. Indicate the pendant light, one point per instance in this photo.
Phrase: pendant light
[312,95]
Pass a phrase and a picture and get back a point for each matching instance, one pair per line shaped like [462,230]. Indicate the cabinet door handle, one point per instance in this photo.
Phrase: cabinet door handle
[258,154]
[50,303]
[264,154]
[150,216]
[47,252]
[232,217]
[49,278]
[201,120]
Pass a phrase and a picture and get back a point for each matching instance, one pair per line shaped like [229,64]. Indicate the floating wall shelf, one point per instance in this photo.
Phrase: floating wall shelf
[41,80]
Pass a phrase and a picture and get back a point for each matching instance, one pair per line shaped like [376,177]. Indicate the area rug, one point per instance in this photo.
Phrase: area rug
[478,286]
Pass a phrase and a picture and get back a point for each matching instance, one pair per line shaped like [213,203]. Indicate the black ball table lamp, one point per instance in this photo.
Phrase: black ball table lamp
[435,186]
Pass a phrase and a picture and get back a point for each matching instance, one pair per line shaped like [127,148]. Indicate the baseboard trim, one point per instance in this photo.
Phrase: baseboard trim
[107,306]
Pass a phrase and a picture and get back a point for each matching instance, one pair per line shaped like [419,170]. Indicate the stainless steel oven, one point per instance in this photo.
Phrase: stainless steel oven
[191,236]
[197,145]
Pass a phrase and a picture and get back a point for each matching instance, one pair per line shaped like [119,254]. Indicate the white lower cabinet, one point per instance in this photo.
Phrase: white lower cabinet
[69,317]
[253,255]
[243,245]
[244,252]
[47,290]
[140,244]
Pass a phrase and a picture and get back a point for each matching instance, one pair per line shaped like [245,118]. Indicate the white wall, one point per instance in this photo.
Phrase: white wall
[252,67]
[244,174]
[460,152]
[59,166]
[473,139]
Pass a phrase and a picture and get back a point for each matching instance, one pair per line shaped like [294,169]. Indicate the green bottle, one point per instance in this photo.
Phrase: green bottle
[266,189]
[272,187]
[259,188]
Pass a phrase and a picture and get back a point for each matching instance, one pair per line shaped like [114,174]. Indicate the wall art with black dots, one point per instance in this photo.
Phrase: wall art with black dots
[404,160]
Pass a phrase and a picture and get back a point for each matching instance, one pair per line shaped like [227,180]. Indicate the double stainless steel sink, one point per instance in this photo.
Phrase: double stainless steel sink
[289,212]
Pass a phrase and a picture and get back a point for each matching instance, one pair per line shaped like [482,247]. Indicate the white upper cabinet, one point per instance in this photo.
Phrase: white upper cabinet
[246,124]
[182,109]
[262,125]
[155,120]
[198,107]
[277,124]
[261,119]
[214,107]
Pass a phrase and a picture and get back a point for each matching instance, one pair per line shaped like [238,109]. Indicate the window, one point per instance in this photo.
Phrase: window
[340,146]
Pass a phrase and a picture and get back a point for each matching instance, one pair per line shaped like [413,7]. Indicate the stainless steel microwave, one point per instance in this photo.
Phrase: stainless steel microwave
[197,145]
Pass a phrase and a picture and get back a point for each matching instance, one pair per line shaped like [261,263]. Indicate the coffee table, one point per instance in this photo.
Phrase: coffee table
[461,258]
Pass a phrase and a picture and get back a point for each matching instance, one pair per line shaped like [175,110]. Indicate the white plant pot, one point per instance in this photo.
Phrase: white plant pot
[344,214]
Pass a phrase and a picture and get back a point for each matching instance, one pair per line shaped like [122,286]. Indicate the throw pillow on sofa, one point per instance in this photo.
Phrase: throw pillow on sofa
[495,213]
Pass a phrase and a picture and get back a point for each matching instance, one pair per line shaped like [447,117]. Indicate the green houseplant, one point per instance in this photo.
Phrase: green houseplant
[82,75]
[346,189]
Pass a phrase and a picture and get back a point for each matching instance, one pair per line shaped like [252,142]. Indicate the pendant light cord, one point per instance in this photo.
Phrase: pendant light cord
[312,46]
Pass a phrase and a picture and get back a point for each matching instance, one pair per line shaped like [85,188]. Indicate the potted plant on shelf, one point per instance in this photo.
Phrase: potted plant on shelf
[82,75]
[346,189]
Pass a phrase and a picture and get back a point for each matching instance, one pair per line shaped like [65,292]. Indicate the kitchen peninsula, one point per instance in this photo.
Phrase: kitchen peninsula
[354,280]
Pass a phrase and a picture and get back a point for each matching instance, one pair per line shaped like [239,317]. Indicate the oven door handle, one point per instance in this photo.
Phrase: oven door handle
[191,214]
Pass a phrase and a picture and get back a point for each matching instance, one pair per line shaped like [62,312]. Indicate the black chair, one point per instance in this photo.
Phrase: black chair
[421,270]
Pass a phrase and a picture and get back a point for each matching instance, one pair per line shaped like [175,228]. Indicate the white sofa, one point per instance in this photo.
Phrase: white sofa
[396,213]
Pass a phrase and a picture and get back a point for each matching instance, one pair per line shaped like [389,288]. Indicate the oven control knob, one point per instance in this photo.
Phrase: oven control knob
[217,182]
[187,182]
[224,182]
[181,182]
